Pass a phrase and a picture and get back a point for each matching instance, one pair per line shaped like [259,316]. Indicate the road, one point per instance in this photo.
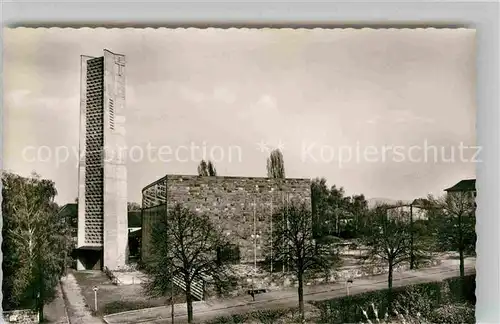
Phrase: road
[288,298]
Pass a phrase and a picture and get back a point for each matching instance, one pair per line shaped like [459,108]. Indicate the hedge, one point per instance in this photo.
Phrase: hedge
[430,295]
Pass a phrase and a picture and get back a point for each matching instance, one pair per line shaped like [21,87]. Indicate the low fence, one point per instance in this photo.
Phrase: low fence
[22,316]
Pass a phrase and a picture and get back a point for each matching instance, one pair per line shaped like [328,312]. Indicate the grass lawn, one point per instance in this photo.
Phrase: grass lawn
[115,299]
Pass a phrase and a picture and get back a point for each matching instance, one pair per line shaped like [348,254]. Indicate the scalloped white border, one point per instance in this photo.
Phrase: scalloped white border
[247,29]
[484,17]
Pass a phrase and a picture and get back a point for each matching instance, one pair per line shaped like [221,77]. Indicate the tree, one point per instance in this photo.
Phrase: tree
[276,165]
[359,209]
[388,239]
[133,206]
[454,218]
[319,202]
[211,169]
[293,241]
[206,169]
[185,247]
[36,242]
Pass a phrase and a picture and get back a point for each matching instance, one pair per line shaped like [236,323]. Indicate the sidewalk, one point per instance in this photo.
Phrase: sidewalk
[288,297]
[55,311]
[75,303]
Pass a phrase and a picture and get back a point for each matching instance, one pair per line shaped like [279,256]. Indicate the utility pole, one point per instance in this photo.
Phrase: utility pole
[272,230]
[288,239]
[412,254]
[254,239]
[172,308]
[283,227]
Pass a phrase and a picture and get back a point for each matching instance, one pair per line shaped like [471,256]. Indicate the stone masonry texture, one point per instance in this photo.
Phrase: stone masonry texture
[230,202]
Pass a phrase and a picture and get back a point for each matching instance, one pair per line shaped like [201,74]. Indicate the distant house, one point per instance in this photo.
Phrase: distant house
[464,186]
[70,213]
[415,209]
[468,185]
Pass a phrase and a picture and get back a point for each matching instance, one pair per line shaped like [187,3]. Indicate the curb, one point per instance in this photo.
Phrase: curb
[66,302]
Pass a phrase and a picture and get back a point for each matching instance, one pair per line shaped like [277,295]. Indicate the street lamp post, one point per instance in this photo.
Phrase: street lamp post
[272,189]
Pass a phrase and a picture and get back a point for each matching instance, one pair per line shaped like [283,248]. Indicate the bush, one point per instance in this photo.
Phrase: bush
[266,316]
[420,299]
[119,306]
[453,314]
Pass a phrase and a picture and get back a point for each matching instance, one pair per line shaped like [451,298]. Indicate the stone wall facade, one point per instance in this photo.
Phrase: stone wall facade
[24,316]
[239,206]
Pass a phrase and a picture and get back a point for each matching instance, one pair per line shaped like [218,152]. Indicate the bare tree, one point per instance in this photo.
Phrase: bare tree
[454,218]
[276,165]
[185,248]
[294,230]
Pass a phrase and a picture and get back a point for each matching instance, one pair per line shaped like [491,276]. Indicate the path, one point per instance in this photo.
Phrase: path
[288,297]
[55,311]
[75,303]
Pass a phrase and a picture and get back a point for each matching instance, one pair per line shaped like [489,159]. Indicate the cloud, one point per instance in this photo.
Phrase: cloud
[16,97]
[223,94]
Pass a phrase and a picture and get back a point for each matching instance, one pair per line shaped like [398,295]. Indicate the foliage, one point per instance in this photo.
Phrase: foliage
[420,300]
[276,165]
[133,206]
[206,169]
[36,241]
[293,243]
[185,246]
[337,214]
[266,316]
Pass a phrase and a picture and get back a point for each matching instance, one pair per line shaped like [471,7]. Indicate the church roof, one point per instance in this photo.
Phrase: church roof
[464,185]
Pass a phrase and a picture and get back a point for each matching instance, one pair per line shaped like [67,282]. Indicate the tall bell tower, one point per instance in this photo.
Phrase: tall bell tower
[102,191]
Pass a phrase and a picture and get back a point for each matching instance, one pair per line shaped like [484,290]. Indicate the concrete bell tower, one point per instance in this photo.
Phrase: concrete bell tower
[102,192]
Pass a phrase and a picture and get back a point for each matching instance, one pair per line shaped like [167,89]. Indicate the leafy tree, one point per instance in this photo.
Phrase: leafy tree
[186,245]
[276,165]
[359,209]
[133,206]
[388,239]
[206,169]
[293,241]
[36,242]
[319,202]
[454,218]
[211,169]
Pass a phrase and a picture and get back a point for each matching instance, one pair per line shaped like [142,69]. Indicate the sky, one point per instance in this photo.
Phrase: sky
[339,103]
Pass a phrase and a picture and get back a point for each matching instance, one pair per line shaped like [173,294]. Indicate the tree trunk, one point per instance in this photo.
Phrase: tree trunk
[412,252]
[461,246]
[462,263]
[40,312]
[389,286]
[189,302]
[461,249]
[301,295]
[389,276]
